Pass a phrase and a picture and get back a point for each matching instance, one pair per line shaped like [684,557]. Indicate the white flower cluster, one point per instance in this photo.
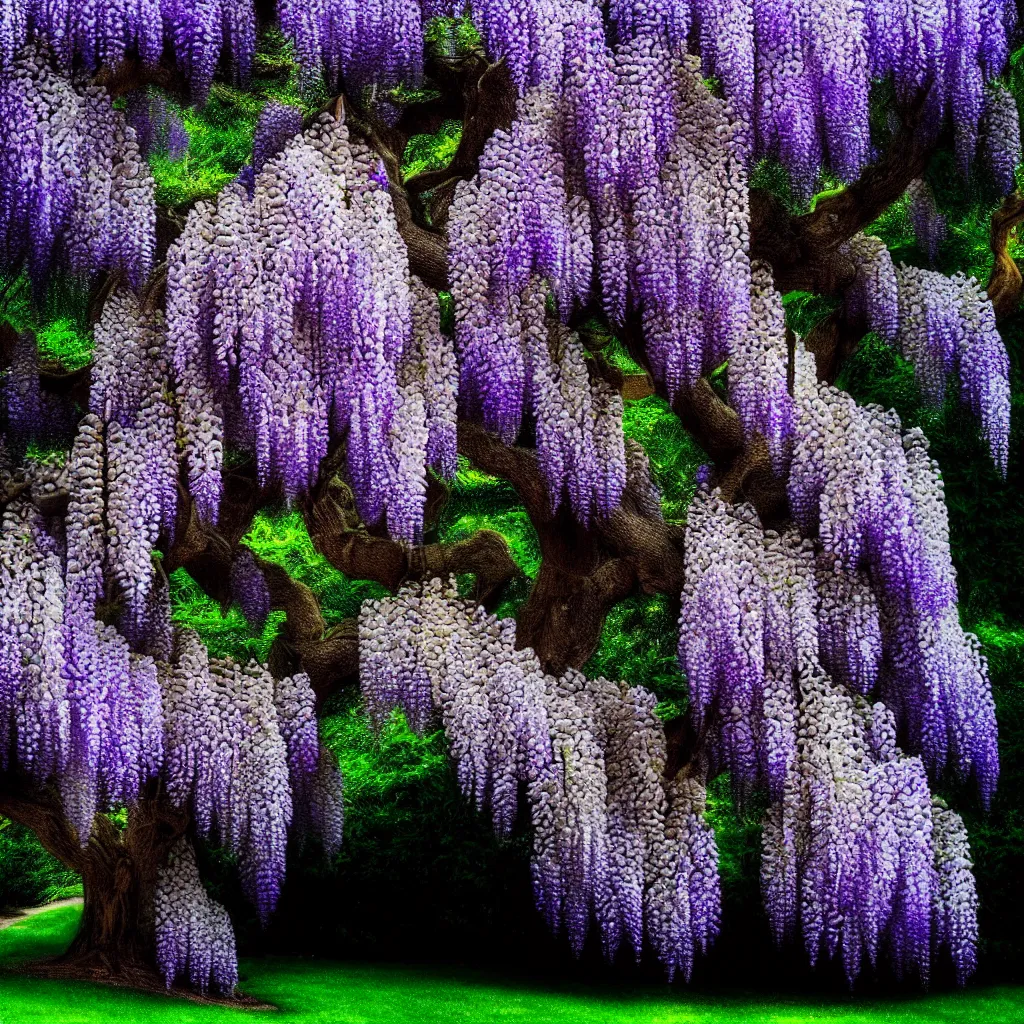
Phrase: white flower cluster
[194,937]
[611,841]
[873,497]
[758,367]
[130,434]
[746,623]
[942,325]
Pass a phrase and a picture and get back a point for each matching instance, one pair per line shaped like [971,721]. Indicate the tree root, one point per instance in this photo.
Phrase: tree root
[140,977]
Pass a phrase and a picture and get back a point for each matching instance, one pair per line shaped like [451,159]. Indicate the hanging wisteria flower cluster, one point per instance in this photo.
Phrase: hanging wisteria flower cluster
[76,702]
[852,858]
[582,193]
[158,126]
[612,839]
[353,44]
[31,414]
[943,326]
[928,223]
[849,861]
[94,34]
[238,747]
[1000,137]
[758,368]
[194,937]
[292,315]
[128,448]
[797,80]
[75,193]
[873,497]
[278,123]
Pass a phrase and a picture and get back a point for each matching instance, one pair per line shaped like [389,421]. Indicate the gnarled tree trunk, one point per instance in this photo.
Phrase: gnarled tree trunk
[115,939]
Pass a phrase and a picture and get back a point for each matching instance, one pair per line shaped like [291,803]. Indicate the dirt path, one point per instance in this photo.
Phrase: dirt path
[7,919]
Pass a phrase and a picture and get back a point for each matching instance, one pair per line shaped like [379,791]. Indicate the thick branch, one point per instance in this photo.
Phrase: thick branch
[328,656]
[340,536]
[585,570]
[802,250]
[1005,286]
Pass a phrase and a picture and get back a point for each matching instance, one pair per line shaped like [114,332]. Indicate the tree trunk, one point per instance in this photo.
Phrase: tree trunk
[115,939]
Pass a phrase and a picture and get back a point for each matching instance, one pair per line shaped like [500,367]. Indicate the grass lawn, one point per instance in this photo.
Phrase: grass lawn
[325,992]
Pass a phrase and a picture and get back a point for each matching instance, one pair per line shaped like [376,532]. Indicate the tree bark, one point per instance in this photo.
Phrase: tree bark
[584,570]
[115,940]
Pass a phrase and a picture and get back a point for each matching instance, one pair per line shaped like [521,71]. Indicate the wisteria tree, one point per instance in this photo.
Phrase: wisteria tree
[286,342]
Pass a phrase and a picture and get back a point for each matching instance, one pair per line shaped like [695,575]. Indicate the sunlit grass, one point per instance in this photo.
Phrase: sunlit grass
[321,991]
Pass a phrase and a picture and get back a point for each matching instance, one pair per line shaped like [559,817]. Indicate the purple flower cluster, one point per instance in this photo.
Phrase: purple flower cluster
[747,625]
[948,326]
[515,222]
[956,910]
[74,190]
[241,750]
[157,124]
[278,124]
[873,497]
[758,388]
[849,858]
[77,703]
[129,397]
[590,754]
[249,588]
[872,300]
[929,225]
[799,79]
[298,305]
[355,44]
[95,34]
[942,325]
[674,246]
[194,937]
[1000,137]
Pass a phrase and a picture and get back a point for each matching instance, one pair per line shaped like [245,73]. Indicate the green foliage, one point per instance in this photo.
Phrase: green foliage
[478,501]
[28,874]
[60,322]
[221,133]
[280,537]
[431,152]
[674,455]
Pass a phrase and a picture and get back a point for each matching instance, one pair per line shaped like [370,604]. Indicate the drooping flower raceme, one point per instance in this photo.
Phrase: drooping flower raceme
[929,225]
[849,859]
[873,497]
[94,34]
[943,325]
[194,937]
[300,303]
[75,192]
[611,840]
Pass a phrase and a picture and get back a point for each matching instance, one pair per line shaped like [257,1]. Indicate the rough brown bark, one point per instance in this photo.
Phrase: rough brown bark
[340,535]
[584,570]
[115,940]
[803,250]
[1005,285]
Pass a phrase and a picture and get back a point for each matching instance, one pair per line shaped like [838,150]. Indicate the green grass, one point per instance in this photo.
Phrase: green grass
[309,991]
